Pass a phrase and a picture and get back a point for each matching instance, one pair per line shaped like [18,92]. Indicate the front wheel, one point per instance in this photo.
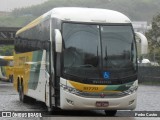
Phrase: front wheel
[110,112]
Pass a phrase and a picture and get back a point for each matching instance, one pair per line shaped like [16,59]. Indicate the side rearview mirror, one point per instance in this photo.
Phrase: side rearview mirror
[58,41]
[143,41]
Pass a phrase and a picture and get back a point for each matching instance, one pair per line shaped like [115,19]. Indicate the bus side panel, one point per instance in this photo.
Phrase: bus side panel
[38,76]
[30,67]
[35,70]
[31,42]
[21,69]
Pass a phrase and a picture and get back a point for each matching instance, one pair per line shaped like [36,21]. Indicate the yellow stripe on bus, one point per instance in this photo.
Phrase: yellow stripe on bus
[31,25]
[90,88]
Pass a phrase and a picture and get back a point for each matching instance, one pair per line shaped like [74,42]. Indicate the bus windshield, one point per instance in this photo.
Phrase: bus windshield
[89,50]
[118,50]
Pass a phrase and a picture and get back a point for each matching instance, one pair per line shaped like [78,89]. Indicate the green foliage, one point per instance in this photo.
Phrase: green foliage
[6,50]
[135,9]
[153,37]
[13,21]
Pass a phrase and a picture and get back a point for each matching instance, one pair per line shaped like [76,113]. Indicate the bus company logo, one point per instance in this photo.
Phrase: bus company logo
[21,114]
[102,95]
[6,114]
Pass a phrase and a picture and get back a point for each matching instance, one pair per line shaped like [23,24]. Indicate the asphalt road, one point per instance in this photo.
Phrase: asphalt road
[148,100]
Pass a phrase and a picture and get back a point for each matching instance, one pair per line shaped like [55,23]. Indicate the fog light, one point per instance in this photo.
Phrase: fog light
[130,102]
[70,101]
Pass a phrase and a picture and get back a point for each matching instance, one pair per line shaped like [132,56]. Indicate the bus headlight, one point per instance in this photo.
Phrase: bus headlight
[131,90]
[70,89]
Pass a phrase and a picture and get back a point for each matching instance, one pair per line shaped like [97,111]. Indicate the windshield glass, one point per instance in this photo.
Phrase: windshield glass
[118,50]
[92,50]
[117,46]
[81,50]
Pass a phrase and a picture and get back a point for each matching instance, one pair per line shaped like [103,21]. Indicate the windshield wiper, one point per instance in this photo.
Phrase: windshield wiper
[86,65]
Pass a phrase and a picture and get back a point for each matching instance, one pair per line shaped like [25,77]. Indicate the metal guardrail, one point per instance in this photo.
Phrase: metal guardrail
[149,74]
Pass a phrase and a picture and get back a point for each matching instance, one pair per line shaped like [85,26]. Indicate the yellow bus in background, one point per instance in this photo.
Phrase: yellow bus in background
[6,68]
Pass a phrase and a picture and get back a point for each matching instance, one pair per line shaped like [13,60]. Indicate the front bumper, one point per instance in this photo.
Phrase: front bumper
[71,101]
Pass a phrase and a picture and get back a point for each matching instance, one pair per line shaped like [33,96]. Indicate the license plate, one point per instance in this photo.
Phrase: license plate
[102,104]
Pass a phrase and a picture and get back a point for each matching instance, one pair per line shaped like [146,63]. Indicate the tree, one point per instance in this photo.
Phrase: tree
[153,36]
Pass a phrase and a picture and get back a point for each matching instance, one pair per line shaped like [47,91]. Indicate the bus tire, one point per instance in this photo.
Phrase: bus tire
[23,98]
[110,112]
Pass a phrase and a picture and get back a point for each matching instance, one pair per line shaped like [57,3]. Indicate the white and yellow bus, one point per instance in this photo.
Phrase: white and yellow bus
[6,68]
[78,59]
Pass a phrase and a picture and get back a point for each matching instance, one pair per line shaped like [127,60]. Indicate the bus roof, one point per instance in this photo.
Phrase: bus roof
[78,14]
[89,15]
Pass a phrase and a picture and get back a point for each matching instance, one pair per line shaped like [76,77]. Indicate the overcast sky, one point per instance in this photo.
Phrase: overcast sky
[9,5]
